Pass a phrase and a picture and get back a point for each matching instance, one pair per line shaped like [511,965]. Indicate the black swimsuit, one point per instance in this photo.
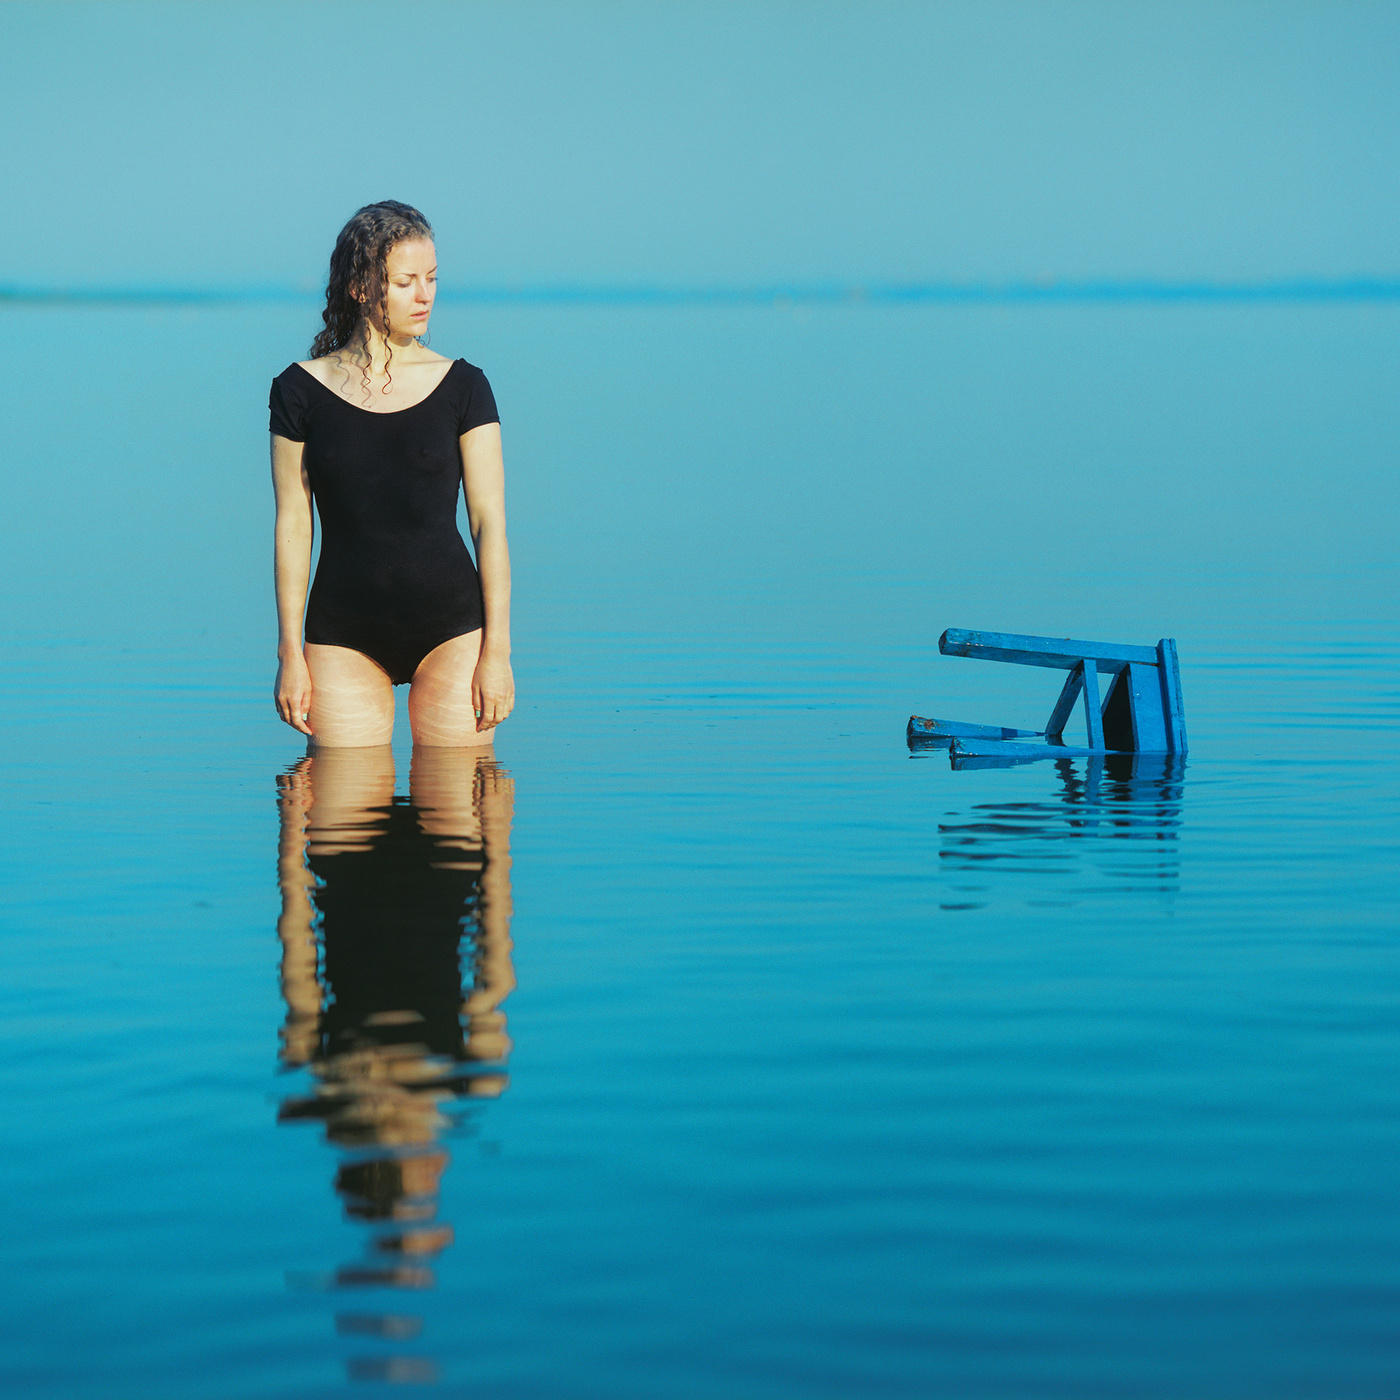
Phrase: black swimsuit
[395,578]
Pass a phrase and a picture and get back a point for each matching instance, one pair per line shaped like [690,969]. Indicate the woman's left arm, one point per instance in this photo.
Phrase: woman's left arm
[483,475]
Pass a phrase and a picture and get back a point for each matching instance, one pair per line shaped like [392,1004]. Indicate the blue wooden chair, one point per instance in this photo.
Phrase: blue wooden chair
[1140,712]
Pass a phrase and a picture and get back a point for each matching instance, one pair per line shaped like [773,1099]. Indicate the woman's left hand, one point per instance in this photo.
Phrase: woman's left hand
[493,690]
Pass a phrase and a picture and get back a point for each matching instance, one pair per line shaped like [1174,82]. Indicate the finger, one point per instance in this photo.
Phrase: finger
[295,711]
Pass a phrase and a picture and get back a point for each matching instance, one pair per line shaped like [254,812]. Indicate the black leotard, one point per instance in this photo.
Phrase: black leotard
[395,577]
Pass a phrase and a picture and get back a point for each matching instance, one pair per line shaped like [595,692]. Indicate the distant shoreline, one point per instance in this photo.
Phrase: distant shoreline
[1027,291]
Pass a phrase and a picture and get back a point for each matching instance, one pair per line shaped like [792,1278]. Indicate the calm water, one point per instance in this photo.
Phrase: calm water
[703,1041]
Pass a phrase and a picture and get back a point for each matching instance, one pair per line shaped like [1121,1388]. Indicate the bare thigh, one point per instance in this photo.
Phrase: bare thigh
[440,698]
[352,699]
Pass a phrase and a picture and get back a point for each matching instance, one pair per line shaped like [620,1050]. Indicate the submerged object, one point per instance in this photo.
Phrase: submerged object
[1140,712]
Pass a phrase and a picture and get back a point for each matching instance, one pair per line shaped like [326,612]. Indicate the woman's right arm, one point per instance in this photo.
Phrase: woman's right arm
[292,571]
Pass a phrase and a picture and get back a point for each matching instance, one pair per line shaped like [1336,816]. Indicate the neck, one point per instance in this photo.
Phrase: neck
[379,346]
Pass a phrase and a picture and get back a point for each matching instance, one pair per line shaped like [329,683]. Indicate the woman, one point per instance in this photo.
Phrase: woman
[379,430]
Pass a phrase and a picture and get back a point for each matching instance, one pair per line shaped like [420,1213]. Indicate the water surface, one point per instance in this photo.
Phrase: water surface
[735,1049]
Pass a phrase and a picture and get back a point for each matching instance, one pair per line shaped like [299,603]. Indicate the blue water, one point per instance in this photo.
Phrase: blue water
[750,1054]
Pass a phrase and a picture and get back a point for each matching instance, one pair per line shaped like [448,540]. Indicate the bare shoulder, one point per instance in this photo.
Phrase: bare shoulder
[322,368]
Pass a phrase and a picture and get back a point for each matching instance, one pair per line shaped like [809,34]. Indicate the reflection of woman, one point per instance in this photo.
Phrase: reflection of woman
[398,892]
[379,431]
[388,908]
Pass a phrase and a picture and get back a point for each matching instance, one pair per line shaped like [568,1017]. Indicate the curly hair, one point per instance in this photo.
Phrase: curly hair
[358,278]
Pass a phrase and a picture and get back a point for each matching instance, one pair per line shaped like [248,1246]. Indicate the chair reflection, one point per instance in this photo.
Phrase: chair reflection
[396,959]
[1135,799]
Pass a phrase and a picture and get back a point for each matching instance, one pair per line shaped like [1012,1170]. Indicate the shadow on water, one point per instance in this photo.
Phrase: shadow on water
[396,959]
[1119,814]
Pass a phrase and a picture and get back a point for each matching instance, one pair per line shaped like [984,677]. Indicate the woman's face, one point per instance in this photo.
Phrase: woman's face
[411,284]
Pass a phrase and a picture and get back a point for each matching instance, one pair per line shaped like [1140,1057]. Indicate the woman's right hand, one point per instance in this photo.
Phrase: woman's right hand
[293,692]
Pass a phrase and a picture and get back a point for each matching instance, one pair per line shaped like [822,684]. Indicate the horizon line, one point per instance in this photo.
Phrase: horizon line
[813,293]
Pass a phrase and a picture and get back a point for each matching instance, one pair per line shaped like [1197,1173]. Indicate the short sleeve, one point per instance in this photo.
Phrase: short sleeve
[287,409]
[478,403]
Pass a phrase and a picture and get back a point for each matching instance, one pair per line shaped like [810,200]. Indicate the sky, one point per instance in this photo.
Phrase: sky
[220,146]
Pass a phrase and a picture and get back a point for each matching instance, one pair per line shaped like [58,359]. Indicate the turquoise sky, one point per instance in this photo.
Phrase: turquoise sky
[223,144]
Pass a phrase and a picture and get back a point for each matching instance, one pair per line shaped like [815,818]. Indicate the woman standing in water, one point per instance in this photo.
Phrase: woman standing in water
[379,431]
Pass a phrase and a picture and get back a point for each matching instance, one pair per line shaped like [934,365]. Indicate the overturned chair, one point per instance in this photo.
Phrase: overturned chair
[1140,711]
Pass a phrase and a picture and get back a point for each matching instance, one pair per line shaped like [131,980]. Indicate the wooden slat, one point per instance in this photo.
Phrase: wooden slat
[1149,722]
[1169,675]
[961,762]
[1021,748]
[934,729]
[1057,653]
[1093,715]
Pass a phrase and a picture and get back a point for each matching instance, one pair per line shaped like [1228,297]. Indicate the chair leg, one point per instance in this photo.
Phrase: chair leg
[1064,706]
[1089,675]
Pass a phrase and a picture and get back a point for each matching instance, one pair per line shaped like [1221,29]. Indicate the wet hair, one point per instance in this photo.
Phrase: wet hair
[358,278]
